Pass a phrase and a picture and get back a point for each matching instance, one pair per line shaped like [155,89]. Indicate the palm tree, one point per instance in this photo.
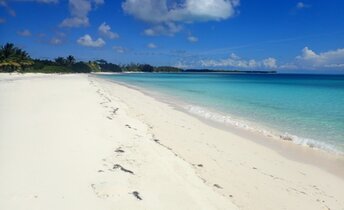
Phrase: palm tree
[70,60]
[12,58]
[60,61]
[8,50]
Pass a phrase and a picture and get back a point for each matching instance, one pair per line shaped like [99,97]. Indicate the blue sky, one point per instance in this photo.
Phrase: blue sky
[284,35]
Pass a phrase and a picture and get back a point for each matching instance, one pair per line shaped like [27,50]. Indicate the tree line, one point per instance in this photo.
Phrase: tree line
[14,59]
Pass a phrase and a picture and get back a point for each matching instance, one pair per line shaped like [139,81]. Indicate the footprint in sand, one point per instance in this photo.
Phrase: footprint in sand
[118,166]
[137,195]
[119,150]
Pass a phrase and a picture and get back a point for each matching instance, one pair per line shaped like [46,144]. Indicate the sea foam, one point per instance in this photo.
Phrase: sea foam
[280,135]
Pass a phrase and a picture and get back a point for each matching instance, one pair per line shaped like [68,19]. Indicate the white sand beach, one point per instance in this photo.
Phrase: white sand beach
[79,142]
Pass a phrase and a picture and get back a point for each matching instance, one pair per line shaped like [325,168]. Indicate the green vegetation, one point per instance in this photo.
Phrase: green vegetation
[167,69]
[14,59]
[60,65]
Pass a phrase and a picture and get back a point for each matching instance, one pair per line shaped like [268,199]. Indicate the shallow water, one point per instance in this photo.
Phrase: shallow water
[308,109]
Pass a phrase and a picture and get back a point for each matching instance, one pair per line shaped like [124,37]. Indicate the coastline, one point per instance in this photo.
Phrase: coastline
[300,158]
[87,143]
[325,160]
[315,140]
[66,144]
[237,124]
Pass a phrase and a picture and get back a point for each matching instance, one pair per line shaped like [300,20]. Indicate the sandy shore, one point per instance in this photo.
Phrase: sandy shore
[78,142]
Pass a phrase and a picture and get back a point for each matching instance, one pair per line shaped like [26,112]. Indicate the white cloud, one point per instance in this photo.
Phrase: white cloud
[162,13]
[235,61]
[309,59]
[105,30]
[192,39]
[301,5]
[182,65]
[119,49]
[270,63]
[24,32]
[87,41]
[204,10]
[79,10]
[151,45]
[158,11]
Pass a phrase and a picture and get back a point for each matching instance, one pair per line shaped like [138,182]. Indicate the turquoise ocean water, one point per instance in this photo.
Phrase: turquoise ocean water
[307,109]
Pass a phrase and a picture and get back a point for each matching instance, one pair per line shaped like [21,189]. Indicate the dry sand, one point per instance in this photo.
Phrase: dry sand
[78,142]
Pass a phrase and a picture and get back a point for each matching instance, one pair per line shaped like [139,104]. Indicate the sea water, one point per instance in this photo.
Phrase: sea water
[305,109]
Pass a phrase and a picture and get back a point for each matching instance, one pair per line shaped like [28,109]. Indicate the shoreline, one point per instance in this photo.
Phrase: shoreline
[225,120]
[87,143]
[202,144]
[326,160]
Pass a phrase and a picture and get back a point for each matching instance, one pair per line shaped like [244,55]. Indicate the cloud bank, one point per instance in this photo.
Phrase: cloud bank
[235,61]
[309,59]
